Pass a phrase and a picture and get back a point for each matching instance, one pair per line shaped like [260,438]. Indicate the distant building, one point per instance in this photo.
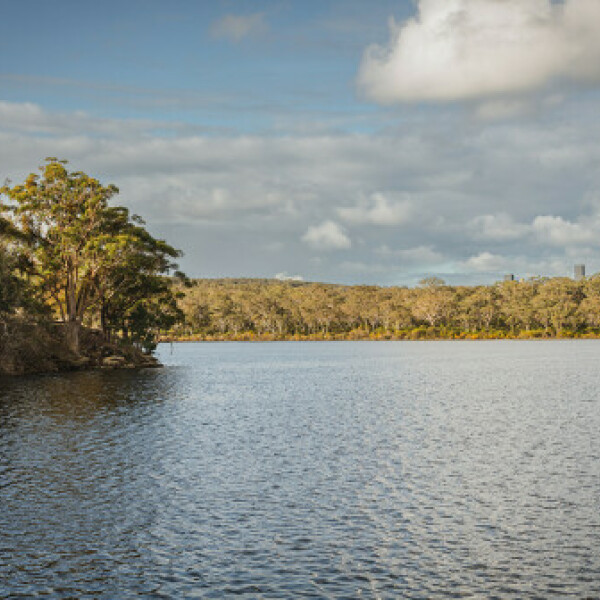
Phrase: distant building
[579,272]
[509,277]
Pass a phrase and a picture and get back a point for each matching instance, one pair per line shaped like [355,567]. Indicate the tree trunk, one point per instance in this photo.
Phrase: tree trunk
[72,335]
[104,322]
[73,324]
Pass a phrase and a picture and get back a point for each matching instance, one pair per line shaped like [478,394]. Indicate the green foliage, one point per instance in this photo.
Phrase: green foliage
[11,287]
[249,309]
[16,293]
[432,282]
[91,262]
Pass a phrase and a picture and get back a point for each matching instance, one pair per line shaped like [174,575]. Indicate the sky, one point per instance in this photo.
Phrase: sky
[342,141]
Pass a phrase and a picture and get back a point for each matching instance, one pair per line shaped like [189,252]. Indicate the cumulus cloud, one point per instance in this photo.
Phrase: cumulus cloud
[377,210]
[560,232]
[481,49]
[486,262]
[237,27]
[548,230]
[327,236]
[500,227]
[186,199]
[253,205]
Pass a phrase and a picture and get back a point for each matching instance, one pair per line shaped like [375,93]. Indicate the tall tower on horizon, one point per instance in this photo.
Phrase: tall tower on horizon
[579,272]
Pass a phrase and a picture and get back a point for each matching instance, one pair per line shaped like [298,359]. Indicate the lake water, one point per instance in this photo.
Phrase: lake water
[299,469]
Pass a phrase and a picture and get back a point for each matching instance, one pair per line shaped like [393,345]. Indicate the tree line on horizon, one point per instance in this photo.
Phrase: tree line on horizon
[68,256]
[244,309]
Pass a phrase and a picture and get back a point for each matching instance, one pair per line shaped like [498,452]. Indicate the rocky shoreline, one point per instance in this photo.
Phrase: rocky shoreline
[28,347]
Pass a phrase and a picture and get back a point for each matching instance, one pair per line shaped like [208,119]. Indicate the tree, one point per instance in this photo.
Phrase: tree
[82,252]
[516,301]
[11,287]
[477,307]
[556,304]
[132,293]
[432,282]
[433,303]
[589,309]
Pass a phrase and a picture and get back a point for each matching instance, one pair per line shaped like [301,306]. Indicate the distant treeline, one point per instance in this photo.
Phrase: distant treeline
[249,309]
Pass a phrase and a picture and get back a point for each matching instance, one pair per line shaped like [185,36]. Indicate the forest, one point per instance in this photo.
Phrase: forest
[246,309]
[81,280]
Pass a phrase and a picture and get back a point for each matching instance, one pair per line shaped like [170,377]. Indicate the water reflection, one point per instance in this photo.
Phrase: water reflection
[323,470]
[80,395]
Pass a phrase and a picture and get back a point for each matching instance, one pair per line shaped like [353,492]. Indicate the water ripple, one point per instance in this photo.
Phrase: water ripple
[330,470]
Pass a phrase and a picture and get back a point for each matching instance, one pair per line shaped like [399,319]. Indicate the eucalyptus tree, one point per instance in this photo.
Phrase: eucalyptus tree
[556,304]
[516,300]
[477,307]
[133,294]
[78,247]
[589,308]
[434,302]
[61,213]
[10,285]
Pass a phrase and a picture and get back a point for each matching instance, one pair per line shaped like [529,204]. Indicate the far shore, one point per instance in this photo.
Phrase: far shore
[417,335]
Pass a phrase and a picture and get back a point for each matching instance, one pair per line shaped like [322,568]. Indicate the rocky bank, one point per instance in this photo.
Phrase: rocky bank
[30,347]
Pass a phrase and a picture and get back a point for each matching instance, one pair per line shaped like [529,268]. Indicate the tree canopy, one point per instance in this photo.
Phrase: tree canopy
[243,309]
[89,261]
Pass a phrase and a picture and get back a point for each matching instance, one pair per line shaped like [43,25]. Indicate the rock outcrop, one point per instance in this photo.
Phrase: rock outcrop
[30,347]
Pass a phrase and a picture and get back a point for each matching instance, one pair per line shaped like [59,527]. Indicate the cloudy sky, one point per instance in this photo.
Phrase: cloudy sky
[336,140]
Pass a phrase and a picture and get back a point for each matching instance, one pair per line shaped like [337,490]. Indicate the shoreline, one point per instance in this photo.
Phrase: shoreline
[80,367]
[536,336]
[110,363]
[34,348]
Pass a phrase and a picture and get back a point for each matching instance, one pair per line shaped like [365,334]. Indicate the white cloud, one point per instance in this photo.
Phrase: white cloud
[237,27]
[481,49]
[327,236]
[486,262]
[560,232]
[549,230]
[503,109]
[285,277]
[377,210]
[241,205]
[185,199]
[499,227]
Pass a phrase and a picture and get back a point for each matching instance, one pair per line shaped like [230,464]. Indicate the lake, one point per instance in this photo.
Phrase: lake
[308,469]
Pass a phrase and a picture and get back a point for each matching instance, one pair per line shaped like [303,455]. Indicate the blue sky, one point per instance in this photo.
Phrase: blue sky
[344,141]
[179,60]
